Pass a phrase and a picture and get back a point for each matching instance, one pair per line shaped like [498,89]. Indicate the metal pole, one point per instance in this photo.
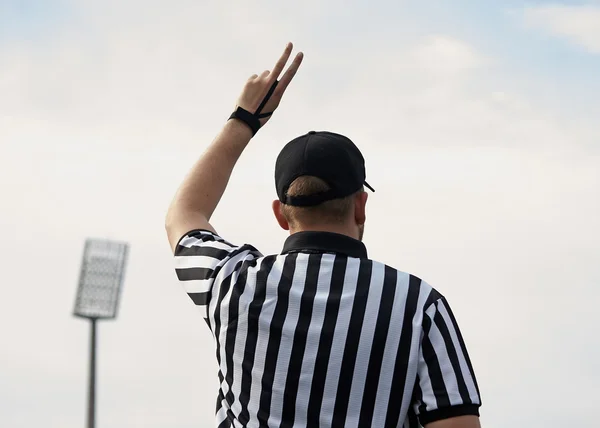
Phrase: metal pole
[91,417]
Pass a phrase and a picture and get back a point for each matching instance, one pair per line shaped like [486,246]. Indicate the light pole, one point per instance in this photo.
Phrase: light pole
[100,280]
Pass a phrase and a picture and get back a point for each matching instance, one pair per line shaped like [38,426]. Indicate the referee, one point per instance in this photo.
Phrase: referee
[319,335]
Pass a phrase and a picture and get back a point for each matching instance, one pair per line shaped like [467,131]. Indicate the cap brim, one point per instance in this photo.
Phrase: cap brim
[368,186]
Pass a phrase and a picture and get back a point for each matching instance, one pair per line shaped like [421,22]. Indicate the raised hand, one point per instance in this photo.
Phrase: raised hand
[262,93]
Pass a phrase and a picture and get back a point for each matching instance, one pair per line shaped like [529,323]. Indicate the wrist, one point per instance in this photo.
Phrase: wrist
[238,128]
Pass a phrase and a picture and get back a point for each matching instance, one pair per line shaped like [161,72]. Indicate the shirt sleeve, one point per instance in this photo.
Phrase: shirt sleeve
[446,386]
[204,259]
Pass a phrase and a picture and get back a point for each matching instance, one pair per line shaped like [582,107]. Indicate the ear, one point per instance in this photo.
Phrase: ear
[279,216]
[360,211]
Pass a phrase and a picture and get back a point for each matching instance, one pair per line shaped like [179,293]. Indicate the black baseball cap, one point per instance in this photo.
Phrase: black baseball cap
[331,157]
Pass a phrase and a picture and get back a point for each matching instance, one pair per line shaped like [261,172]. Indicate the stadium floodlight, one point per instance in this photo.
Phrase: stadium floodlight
[100,281]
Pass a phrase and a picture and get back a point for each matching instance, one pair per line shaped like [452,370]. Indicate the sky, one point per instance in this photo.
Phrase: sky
[478,122]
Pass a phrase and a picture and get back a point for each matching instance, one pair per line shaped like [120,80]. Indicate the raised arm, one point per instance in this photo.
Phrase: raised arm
[202,189]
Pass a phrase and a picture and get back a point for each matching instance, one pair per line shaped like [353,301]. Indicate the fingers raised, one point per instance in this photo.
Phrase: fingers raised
[290,72]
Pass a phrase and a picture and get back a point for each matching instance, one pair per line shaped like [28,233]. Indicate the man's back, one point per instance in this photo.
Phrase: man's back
[321,336]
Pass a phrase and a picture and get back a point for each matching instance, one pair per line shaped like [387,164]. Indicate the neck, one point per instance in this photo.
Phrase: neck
[341,229]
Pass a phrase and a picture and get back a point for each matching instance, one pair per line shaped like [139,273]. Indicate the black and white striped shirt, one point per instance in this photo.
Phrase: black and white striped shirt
[322,336]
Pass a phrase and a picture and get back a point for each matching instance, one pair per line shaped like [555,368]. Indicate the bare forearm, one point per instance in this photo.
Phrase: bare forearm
[205,184]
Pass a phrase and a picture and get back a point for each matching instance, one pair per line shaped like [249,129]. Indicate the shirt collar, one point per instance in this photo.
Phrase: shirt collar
[325,242]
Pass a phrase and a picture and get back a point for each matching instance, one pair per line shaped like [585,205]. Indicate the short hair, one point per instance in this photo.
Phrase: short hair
[334,211]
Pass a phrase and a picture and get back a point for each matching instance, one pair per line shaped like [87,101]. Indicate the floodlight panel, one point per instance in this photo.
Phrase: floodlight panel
[101,278]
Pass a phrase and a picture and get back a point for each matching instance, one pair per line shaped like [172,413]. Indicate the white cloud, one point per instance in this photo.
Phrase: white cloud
[441,54]
[578,24]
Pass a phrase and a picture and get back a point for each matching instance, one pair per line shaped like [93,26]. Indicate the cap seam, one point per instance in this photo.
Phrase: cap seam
[304,155]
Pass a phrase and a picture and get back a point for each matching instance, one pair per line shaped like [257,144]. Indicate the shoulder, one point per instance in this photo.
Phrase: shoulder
[205,242]
[205,249]
[197,236]
[420,292]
